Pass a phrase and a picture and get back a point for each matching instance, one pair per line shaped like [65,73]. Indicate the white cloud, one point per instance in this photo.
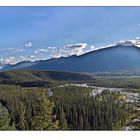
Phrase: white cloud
[135,42]
[11,49]
[78,45]
[76,49]
[22,57]
[35,52]
[72,49]
[29,44]
[19,50]
[92,48]
[26,58]
[14,60]
[1,60]
[56,55]
[126,43]
[53,48]
[43,50]
[31,56]
[49,47]
[9,60]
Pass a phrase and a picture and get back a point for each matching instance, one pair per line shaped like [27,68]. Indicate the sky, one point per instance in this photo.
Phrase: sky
[34,33]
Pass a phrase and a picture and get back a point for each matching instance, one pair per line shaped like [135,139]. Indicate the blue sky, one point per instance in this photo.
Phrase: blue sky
[31,33]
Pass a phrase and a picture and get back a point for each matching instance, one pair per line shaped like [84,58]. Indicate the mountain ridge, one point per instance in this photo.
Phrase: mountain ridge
[113,58]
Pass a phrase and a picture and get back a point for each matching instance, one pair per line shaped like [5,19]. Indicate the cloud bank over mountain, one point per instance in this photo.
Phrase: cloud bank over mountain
[27,51]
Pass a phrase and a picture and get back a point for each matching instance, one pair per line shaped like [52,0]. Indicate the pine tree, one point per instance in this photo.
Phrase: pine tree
[44,119]
[63,122]
[21,124]
[4,118]
[81,125]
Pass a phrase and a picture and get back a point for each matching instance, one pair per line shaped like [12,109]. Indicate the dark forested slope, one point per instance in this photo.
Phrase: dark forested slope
[39,78]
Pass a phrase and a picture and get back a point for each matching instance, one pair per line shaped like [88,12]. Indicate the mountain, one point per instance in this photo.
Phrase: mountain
[5,66]
[19,65]
[120,57]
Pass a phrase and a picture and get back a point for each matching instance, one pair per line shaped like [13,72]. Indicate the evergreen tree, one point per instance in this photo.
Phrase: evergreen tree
[63,122]
[21,124]
[4,118]
[43,119]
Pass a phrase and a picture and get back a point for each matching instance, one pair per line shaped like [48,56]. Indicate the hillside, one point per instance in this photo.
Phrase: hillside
[39,78]
[104,60]
[112,59]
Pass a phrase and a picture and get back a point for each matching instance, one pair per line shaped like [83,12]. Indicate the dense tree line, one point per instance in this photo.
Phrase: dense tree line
[117,82]
[31,78]
[19,76]
[81,111]
[26,109]
[69,108]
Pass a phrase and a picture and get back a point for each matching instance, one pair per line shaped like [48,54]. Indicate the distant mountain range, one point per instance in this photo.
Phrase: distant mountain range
[111,59]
